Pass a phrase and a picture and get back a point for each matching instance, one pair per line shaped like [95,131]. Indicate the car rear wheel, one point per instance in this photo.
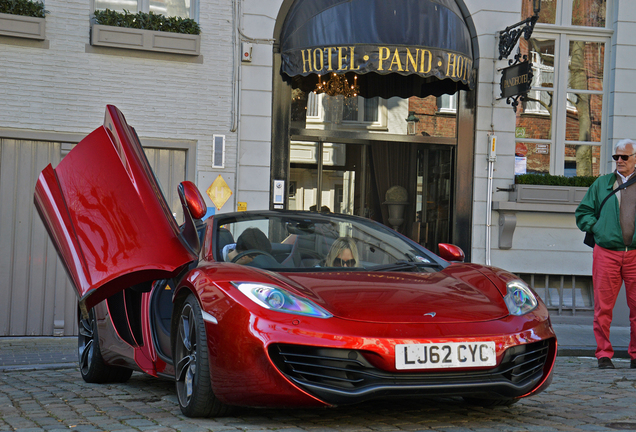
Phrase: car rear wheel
[192,367]
[91,363]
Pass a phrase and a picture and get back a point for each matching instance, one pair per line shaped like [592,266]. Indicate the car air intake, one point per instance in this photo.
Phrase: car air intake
[339,376]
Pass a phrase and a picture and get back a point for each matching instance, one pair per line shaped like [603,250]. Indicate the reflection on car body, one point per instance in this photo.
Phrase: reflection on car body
[282,327]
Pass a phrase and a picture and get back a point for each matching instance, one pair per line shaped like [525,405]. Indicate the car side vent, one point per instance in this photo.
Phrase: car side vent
[338,367]
[524,361]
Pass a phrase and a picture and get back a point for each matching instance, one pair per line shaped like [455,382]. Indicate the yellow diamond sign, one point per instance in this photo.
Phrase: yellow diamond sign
[219,192]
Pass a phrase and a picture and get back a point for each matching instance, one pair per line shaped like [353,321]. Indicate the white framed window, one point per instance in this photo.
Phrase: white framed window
[346,113]
[218,151]
[561,127]
[360,110]
[539,102]
[169,8]
[447,103]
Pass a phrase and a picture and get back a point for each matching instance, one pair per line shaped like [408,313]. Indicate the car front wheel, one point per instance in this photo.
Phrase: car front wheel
[91,363]
[192,367]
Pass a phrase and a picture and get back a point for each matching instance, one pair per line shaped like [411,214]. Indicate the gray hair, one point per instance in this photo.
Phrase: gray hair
[624,143]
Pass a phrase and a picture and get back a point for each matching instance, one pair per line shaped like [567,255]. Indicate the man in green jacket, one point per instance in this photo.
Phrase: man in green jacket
[614,256]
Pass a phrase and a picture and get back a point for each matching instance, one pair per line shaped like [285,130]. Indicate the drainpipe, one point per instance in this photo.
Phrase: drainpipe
[492,158]
[236,67]
[492,154]
[236,64]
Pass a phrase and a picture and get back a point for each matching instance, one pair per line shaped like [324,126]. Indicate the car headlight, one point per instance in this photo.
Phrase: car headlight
[520,298]
[275,298]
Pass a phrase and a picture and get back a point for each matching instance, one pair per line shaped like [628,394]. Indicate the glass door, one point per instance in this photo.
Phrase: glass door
[433,197]
[327,177]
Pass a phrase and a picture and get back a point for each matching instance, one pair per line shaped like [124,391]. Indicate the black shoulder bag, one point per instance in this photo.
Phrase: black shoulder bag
[589,237]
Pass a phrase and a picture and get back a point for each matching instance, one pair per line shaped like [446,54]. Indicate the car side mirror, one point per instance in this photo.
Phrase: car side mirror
[193,199]
[194,208]
[451,252]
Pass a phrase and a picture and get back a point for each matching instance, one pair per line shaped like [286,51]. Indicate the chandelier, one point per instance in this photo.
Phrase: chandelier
[338,85]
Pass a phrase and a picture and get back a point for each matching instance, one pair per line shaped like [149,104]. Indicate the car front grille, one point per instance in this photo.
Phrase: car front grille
[340,376]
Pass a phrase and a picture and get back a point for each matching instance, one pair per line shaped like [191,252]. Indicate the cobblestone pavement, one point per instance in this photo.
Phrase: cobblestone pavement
[580,398]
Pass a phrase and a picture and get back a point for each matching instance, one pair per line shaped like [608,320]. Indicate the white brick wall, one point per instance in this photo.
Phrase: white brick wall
[257,26]
[623,116]
[65,88]
[492,115]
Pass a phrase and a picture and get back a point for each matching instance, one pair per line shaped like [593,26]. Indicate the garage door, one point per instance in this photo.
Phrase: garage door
[37,298]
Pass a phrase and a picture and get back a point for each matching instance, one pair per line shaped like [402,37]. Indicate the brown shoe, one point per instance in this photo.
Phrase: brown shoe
[606,363]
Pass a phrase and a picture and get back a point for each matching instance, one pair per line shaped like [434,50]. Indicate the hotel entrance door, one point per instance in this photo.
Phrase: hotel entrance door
[433,202]
[334,182]
[353,179]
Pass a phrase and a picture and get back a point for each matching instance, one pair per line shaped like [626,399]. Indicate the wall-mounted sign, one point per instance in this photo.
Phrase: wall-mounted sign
[516,79]
[219,192]
[543,149]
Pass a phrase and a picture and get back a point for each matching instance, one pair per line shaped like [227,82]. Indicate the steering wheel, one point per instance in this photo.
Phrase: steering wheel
[251,252]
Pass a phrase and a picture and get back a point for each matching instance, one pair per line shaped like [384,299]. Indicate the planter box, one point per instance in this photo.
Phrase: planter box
[540,194]
[145,40]
[22,26]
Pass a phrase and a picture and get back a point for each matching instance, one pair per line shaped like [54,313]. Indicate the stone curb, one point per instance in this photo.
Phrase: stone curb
[32,367]
[587,351]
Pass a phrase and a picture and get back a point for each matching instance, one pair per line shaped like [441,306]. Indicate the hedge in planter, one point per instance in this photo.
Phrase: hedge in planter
[28,8]
[553,180]
[147,21]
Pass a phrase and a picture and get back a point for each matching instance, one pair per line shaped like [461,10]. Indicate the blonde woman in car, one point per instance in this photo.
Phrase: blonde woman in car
[343,253]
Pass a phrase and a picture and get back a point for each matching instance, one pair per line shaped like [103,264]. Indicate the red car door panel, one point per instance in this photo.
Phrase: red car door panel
[110,223]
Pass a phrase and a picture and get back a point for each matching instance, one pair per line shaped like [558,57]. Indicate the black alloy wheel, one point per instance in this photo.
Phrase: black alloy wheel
[192,367]
[91,364]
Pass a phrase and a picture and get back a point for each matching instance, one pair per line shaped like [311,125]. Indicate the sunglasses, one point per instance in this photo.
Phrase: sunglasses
[624,157]
[339,262]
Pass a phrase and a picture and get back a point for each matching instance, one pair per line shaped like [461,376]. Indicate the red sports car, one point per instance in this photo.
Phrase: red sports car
[276,308]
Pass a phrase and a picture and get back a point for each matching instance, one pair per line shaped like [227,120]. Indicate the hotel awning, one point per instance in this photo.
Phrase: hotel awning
[395,48]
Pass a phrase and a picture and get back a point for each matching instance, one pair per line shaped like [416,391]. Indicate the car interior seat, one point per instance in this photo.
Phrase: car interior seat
[224,238]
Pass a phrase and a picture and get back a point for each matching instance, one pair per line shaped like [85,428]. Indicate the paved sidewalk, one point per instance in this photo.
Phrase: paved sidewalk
[61,352]
[37,352]
[578,340]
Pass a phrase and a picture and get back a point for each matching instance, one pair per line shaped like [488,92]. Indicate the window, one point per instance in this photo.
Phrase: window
[356,112]
[218,152]
[171,8]
[360,110]
[560,127]
[447,103]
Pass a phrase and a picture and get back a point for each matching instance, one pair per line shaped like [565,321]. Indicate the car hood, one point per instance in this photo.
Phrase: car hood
[458,294]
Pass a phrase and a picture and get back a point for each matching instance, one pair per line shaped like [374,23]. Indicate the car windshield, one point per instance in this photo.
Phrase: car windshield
[308,241]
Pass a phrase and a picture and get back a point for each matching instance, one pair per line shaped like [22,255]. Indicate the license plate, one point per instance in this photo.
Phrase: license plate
[445,355]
